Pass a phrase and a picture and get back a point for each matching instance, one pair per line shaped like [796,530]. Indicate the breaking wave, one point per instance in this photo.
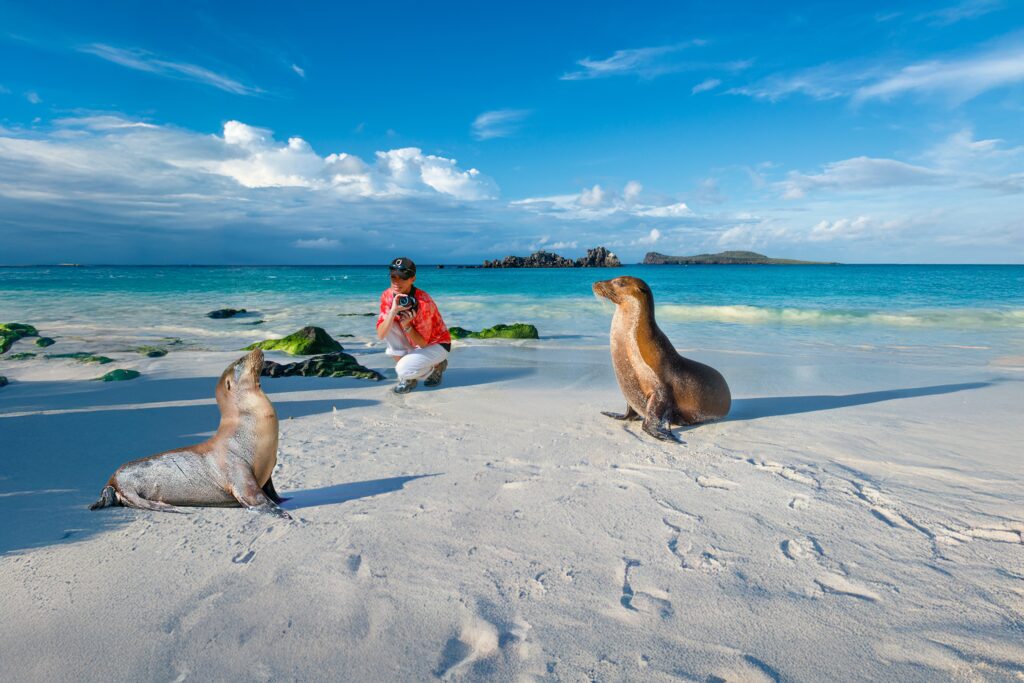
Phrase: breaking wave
[964,318]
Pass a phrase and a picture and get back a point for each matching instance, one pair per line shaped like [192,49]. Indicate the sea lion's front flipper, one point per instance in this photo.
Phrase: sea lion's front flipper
[250,495]
[271,492]
[656,423]
[630,414]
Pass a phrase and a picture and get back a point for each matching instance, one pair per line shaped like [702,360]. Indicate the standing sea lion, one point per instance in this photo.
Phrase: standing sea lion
[231,468]
[661,387]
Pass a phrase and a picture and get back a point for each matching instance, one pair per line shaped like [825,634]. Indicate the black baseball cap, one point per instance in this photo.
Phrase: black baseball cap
[404,266]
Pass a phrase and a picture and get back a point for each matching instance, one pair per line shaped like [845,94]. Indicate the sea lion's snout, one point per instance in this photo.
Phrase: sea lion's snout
[603,288]
[252,366]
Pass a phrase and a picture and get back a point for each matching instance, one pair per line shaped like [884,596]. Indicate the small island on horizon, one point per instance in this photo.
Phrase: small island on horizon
[727,258]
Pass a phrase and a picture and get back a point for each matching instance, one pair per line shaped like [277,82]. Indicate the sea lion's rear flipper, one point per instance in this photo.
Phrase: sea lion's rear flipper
[133,501]
[630,414]
[271,492]
[249,495]
[108,498]
[656,423]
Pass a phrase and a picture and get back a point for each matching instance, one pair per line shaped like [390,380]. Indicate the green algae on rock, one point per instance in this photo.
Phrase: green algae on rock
[12,332]
[44,342]
[328,365]
[501,331]
[22,355]
[119,375]
[309,341]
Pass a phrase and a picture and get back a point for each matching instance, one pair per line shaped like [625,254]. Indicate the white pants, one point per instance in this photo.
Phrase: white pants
[414,363]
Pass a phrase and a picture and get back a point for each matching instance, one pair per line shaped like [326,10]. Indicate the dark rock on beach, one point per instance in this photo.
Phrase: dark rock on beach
[726,258]
[598,257]
[151,351]
[23,355]
[3,381]
[44,342]
[308,341]
[328,365]
[12,332]
[119,375]
[501,331]
[225,312]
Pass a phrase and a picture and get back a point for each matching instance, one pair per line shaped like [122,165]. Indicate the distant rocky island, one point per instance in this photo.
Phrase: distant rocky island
[598,257]
[727,258]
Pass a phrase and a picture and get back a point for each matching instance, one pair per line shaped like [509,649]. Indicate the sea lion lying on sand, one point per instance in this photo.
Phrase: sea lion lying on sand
[231,468]
[661,387]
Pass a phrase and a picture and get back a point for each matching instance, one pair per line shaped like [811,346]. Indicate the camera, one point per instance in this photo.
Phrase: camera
[407,301]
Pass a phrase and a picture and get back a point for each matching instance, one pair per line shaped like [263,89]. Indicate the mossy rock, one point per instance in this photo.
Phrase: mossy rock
[329,365]
[362,315]
[309,341]
[255,322]
[12,332]
[83,357]
[23,355]
[44,342]
[3,381]
[501,331]
[151,351]
[120,375]
[225,312]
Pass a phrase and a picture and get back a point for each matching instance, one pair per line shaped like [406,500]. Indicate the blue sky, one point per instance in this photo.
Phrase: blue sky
[248,133]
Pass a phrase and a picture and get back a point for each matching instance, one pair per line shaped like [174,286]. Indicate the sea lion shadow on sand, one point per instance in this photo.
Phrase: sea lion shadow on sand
[232,468]
[344,492]
[661,387]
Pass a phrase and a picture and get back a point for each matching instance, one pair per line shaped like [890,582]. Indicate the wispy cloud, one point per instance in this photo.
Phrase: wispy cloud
[500,123]
[969,9]
[959,78]
[645,62]
[4,91]
[704,86]
[861,173]
[33,97]
[299,70]
[318,243]
[141,60]
[962,79]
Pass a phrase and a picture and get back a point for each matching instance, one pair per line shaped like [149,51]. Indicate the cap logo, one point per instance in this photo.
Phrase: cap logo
[399,263]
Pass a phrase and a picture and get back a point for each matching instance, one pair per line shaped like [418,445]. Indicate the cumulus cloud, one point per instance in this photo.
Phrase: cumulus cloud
[142,60]
[596,202]
[252,157]
[632,191]
[650,238]
[500,123]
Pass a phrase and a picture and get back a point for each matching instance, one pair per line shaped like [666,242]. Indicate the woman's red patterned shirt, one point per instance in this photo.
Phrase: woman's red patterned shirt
[428,321]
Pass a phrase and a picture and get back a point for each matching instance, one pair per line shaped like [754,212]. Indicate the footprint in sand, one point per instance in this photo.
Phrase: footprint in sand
[783,471]
[800,503]
[478,640]
[838,584]
[643,601]
[710,482]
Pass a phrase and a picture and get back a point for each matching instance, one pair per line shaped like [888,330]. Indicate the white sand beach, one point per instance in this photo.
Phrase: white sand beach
[856,518]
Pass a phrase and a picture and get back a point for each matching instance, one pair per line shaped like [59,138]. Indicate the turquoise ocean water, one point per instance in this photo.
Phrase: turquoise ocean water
[731,308]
